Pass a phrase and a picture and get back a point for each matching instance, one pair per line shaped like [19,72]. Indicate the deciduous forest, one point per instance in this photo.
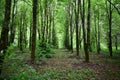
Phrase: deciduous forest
[59,40]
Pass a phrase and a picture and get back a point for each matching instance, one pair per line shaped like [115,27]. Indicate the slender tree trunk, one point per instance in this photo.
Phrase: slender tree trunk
[88,25]
[44,27]
[110,29]
[12,27]
[21,34]
[54,38]
[67,32]
[77,28]
[42,24]
[50,31]
[95,31]
[34,31]
[30,38]
[47,21]
[116,42]
[71,29]
[98,44]
[23,31]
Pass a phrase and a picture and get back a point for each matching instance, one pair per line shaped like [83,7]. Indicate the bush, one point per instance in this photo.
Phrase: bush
[44,50]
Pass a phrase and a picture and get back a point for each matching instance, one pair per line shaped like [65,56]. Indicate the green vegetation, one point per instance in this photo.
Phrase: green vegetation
[17,67]
[59,40]
[44,50]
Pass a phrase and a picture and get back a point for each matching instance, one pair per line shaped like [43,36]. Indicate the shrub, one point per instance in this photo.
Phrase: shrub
[44,50]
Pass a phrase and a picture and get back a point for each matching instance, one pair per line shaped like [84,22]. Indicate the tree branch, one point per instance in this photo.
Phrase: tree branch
[114,6]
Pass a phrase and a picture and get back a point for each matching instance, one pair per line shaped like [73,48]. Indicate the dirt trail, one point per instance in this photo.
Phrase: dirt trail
[61,60]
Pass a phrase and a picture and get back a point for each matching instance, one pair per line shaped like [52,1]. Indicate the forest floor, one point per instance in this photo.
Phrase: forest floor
[62,66]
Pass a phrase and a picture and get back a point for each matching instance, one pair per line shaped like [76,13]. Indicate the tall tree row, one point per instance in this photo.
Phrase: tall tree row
[46,23]
[76,16]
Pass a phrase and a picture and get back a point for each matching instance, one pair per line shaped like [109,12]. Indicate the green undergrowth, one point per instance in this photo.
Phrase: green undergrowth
[51,73]
[27,72]
[115,75]
[44,50]
[112,61]
[15,68]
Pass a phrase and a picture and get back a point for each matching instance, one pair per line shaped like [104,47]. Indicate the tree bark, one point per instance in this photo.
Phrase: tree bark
[21,34]
[34,31]
[96,40]
[84,31]
[98,43]
[110,29]
[12,27]
[4,32]
[76,24]
[88,32]
[116,42]
[71,29]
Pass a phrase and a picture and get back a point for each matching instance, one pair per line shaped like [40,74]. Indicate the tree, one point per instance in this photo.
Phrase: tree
[33,46]
[110,29]
[98,43]
[76,24]
[12,26]
[67,28]
[88,30]
[71,27]
[5,30]
[85,34]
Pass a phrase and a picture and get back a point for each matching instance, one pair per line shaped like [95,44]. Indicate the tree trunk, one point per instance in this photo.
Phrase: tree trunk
[110,30]
[67,33]
[77,28]
[98,44]
[71,30]
[21,34]
[30,38]
[84,32]
[50,27]
[88,31]
[96,40]
[4,32]
[12,27]
[34,31]
[54,38]
[116,42]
